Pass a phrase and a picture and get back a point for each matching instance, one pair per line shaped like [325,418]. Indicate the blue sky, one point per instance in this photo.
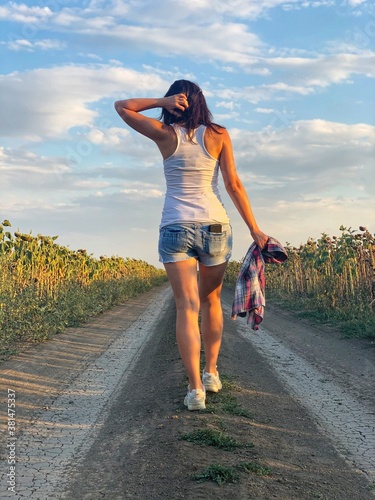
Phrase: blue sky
[293,81]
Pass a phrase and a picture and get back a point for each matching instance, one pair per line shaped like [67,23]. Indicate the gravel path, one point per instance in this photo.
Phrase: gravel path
[99,414]
[348,422]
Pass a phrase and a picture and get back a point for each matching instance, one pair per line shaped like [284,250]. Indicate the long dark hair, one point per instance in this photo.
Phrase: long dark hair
[196,114]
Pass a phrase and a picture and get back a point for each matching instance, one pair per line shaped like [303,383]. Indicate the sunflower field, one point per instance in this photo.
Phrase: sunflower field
[331,279]
[46,287]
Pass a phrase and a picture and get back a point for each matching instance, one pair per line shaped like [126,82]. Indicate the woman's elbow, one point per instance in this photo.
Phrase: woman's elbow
[118,106]
[233,186]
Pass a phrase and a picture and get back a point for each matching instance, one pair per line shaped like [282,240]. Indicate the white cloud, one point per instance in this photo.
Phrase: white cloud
[262,93]
[142,26]
[282,87]
[212,37]
[142,193]
[355,3]
[48,102]
[24,14]
[303,76]
[30,46]
[167,13]
[325,70]
[325,158]
[75,20]
[91,184]
[225,42]
[297,220]
[26,175]
[305,4]
[231,105]
[112,137]
[51,101]
[266,111]
[22,167]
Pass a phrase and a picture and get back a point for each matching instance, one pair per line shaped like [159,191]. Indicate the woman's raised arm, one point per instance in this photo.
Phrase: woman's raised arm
[130,111]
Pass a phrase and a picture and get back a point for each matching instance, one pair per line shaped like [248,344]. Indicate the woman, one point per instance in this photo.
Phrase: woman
[195,226]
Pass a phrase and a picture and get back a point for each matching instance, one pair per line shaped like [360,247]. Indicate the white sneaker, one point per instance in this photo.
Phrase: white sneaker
[211,382]
[196,399]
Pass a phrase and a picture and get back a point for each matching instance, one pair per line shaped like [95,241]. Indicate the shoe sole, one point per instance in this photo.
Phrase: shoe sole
[212,384]
[212,387]
[194,406]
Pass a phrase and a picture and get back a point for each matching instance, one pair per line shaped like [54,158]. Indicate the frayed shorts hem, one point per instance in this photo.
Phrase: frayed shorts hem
[196,258]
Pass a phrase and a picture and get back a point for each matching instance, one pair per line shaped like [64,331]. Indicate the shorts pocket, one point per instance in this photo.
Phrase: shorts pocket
[173,240]
[215,243]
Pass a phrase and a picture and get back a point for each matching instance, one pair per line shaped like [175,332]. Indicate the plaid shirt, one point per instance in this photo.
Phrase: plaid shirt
[249,296]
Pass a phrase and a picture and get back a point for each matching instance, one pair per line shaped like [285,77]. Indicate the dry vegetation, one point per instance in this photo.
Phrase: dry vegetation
[45,287]
[330,279]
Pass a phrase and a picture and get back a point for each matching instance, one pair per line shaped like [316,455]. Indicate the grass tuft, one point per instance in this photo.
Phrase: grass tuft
[259,469]
[229,383]
[226,403]
[219,474]
[230,474]
[212,437]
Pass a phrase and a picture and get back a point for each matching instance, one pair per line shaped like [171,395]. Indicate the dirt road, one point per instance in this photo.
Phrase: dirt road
[99,412]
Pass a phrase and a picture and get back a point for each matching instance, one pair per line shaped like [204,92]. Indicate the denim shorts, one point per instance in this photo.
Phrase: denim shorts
[178,242]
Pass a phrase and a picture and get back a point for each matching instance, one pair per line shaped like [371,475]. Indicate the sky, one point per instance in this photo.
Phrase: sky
[292,81]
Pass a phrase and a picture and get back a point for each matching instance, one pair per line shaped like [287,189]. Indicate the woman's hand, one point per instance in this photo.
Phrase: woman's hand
[175,104]
[260,238]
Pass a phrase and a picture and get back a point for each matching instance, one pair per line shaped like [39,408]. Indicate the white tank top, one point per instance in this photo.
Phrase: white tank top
[191,175]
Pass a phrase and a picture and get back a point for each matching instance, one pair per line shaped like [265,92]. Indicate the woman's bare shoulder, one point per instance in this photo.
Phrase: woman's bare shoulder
[215,138]
[217,132]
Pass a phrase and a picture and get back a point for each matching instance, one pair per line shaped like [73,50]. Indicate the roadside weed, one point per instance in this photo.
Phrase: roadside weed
[229,383]
[219,474]
[211,437]
[230,474]
[259,469]
[226,403]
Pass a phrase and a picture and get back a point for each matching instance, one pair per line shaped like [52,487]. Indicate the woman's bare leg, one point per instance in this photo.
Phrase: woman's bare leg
[210,285]
[183,279]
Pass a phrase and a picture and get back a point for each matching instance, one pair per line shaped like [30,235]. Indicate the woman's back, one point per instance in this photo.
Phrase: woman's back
[191,174]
